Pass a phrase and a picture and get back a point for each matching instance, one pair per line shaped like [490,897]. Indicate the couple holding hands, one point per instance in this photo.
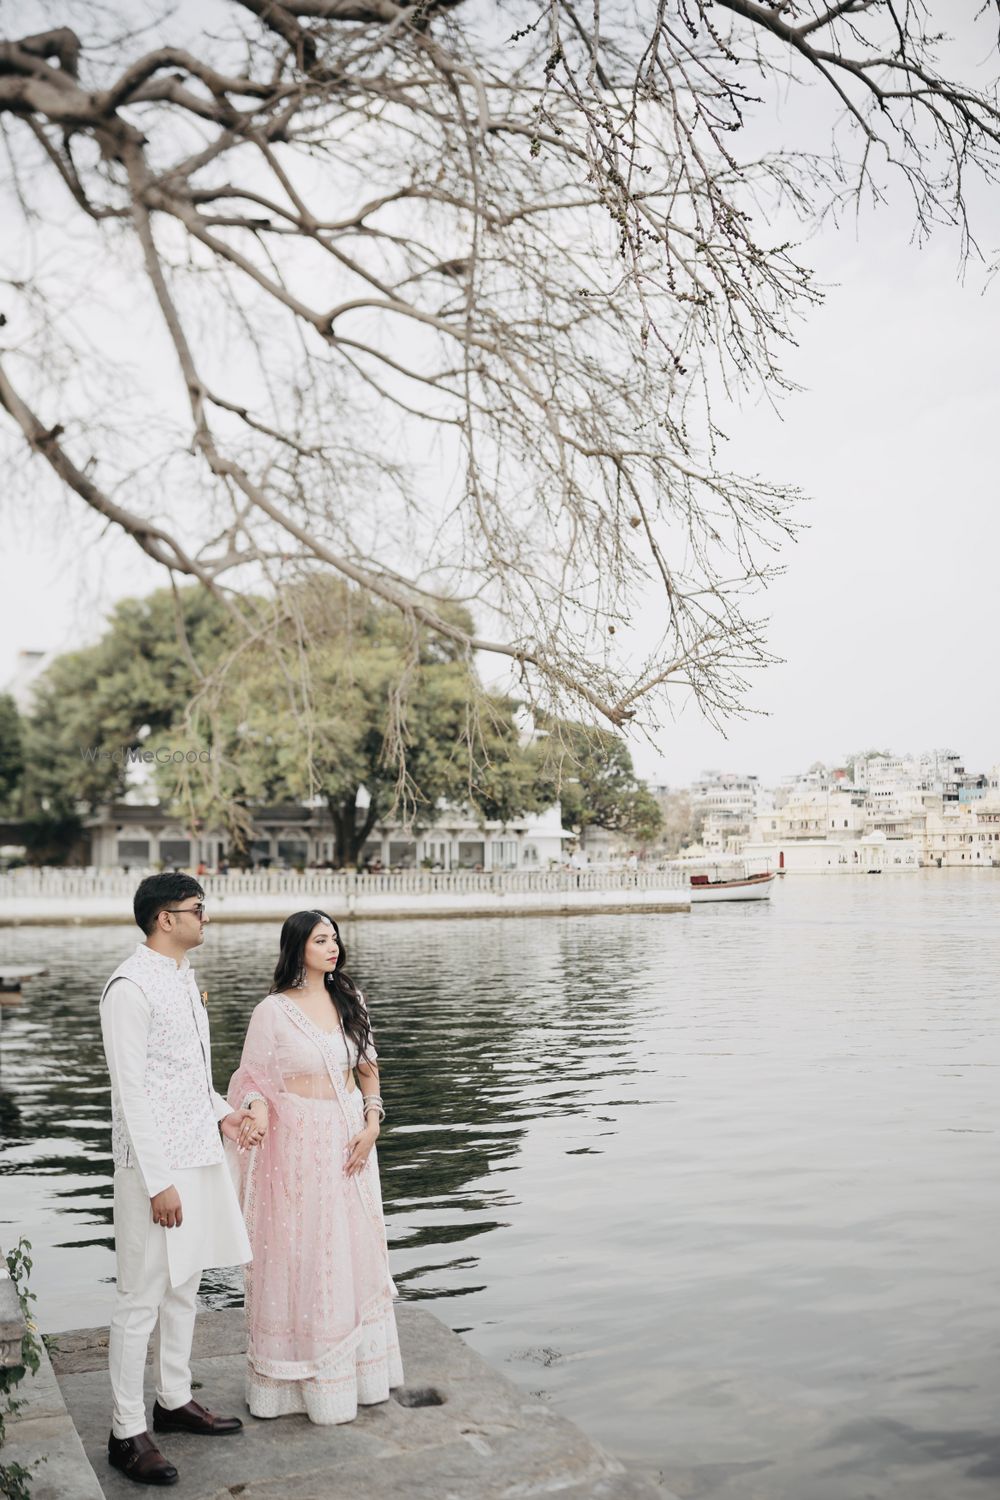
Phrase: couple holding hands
[280,1176]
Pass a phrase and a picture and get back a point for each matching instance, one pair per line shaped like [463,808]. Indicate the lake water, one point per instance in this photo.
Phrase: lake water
[722,1188]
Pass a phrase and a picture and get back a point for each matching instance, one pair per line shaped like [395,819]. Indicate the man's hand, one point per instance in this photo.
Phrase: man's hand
[166,1208]
[242,1128]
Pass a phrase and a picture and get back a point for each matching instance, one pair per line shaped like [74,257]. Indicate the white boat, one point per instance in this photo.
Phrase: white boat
[730,880]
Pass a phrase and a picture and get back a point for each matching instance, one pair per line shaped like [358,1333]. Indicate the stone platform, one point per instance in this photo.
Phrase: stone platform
[458,1430]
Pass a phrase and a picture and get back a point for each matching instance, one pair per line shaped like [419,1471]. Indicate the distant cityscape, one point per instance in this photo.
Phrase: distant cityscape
[878,811]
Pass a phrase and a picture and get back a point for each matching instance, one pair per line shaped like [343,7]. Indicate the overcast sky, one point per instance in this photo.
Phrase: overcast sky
[886,617]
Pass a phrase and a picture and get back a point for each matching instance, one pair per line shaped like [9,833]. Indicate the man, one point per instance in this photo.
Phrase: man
[176,1212]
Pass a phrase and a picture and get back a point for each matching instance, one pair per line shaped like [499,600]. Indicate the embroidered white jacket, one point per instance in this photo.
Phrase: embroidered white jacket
[164,1108]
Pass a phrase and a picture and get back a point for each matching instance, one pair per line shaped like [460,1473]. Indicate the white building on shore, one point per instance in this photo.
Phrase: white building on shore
[724,804]
[130,836]
[826,829]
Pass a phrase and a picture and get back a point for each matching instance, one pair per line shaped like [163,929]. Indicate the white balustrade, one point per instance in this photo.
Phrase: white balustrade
[339,885]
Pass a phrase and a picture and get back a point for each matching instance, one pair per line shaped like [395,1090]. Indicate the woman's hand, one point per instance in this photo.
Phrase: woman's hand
[242,1127]
[359,1149]
[260,1120]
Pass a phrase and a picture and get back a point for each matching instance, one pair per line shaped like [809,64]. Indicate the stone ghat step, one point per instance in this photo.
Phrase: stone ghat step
[457,1430]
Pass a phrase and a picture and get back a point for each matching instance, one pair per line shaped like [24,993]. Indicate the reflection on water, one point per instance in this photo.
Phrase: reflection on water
[720,1187]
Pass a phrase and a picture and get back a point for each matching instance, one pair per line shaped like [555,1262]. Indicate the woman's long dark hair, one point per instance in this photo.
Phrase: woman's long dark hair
[344,993]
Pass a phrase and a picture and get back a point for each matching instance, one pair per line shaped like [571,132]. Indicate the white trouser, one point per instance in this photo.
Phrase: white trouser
[145,1294]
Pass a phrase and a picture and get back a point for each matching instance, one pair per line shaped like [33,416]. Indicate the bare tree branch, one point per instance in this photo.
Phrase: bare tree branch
[442,298]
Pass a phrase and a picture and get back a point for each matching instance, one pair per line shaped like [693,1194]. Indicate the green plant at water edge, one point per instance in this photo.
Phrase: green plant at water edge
[15,1478]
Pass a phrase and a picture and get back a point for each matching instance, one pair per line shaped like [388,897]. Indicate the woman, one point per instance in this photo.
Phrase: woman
[321,1333]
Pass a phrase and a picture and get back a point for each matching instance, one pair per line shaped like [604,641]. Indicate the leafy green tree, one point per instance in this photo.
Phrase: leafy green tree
[337,695]
[593,776]
[52,836]
[645,817]
[94,706]
[11,750]
[682,822]
[370,705]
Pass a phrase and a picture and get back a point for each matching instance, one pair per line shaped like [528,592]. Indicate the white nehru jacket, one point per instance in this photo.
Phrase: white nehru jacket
[164,1108]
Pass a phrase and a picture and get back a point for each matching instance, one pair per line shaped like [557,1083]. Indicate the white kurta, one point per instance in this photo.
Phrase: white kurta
[212,1231]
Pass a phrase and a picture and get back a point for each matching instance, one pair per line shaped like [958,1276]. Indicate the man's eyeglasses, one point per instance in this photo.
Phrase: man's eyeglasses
[179,911]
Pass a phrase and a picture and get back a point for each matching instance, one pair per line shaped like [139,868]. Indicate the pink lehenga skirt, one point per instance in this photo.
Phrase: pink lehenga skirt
[321,1332]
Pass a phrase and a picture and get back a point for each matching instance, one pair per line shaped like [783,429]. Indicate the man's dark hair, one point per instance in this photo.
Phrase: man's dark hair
[158,891]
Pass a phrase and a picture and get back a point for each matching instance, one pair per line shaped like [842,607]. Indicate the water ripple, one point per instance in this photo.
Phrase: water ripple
[724,1184]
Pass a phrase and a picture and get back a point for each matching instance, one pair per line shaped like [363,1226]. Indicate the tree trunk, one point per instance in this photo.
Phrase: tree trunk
[361,833]
[349,835]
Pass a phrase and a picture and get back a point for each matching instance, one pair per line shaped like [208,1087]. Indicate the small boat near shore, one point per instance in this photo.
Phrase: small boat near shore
[728,880]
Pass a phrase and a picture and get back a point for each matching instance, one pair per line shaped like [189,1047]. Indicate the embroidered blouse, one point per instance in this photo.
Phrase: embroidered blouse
[303,1054]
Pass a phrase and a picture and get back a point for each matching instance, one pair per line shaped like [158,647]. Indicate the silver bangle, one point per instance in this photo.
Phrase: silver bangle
[373,1101]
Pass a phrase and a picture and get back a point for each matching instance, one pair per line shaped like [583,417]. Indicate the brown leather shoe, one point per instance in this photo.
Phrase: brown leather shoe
[193,1418]
[139,1459]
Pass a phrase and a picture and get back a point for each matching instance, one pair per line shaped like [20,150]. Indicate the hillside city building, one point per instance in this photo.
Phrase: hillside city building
[883,812]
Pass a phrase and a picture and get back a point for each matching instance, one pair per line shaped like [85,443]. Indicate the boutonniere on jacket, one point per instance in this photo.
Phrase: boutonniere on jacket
[204,998]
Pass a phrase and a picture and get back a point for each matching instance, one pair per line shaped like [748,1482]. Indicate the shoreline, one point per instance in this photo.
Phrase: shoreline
[374,908]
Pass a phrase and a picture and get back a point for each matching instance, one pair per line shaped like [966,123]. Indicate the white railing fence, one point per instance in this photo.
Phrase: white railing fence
[340,885]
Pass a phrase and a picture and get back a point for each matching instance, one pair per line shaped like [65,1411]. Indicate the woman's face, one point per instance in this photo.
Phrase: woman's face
[321,949]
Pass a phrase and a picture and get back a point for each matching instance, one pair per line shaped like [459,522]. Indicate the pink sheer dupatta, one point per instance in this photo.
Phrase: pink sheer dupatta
[320,1269]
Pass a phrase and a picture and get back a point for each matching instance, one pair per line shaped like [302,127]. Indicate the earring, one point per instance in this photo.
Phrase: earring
[300,980]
